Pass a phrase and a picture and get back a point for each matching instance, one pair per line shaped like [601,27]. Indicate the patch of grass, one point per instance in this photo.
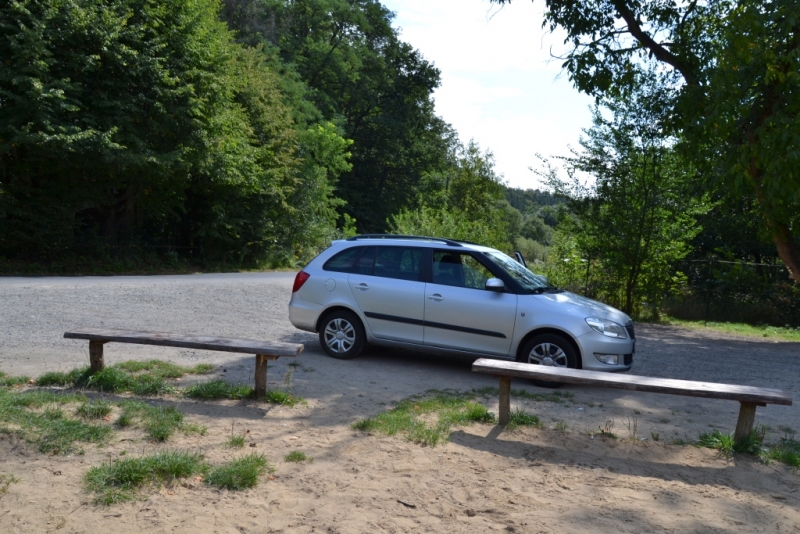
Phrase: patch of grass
[787,451]
[236,441]
[519,417]
[50,430]
[9,381]
[726,445]
[297,457]
[158,422]
[414,417]
[140,378]
[561,426]
[776,333]
[94,409]
[53,378]
[219,389]
[239,474]
[6,481]
[122,480]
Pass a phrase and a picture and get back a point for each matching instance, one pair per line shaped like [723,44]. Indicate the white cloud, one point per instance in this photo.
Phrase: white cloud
[499,82]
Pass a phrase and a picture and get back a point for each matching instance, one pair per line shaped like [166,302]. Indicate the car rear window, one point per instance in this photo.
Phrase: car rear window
[343,261]
[398,262]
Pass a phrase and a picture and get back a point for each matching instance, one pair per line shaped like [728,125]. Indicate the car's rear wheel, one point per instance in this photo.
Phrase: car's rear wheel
[551,350]
[342,335]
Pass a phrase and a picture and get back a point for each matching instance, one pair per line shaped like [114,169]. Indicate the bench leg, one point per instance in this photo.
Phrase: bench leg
[505,400]
[96,356]
[261,376]
[747,416]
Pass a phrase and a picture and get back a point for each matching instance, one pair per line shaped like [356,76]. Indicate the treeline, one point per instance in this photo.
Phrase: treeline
[245,132]
[684,195]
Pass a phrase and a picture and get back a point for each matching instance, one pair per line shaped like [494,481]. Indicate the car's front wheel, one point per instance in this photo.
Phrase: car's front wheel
[551,350]
[342,335]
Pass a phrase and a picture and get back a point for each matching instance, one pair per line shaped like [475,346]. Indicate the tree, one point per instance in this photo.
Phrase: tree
[359,75]
[731,72]
[636,219]
[464,202]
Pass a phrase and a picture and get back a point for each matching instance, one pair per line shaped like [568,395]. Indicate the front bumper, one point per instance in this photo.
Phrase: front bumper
[593,343]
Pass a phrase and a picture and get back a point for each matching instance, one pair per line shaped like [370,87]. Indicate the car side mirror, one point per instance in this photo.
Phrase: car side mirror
[495,284]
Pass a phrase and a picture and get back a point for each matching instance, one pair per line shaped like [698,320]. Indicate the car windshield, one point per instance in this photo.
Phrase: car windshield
[533,283]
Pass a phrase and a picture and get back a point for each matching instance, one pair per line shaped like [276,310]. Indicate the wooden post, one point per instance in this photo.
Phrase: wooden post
[505,400]
[96,356]
[261,376]
[747,416]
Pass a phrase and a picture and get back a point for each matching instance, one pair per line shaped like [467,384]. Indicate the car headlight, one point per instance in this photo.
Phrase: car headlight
[607,328]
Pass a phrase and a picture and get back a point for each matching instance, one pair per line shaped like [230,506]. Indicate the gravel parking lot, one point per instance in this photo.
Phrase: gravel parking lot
[35,312]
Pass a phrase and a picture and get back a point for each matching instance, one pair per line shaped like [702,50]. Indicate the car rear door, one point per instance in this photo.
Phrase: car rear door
[387,284]
[460,313]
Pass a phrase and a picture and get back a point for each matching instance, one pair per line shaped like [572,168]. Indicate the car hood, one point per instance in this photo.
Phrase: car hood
[582,306]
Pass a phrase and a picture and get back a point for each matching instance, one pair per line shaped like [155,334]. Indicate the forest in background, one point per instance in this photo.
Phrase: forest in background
[248,134]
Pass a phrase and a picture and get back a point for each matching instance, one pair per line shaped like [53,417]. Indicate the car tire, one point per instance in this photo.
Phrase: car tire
[549,349]
[342,335]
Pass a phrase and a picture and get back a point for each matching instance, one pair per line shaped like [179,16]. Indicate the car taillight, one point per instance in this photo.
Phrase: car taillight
[299,280]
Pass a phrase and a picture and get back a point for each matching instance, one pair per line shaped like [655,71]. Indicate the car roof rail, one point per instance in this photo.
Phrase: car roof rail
[450,242]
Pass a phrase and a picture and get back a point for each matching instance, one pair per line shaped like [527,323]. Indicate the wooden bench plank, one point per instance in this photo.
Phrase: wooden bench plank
[187,341]
[689,388]
[263,350]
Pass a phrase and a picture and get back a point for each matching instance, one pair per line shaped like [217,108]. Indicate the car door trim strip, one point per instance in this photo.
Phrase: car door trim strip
[443,326]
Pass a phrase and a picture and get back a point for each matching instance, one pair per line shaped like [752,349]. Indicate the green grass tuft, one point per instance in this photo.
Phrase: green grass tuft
[6,481]
[239,474]
[519,417]
[219,389]
[94,409]
[787,452]
[158,422]
[9,381]
[121,480]
[297,457]
[410,415]
[236,441]
[53,379]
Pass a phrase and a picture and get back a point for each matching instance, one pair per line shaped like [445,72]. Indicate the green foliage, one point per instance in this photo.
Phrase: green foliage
[236,441]
[121,480]
[241,473]
[463,202]
[409,418]
[635,222]
[8,381]
[297,457]
[5,481]
[158,422]
[519,417]
[219,389]
[94,409]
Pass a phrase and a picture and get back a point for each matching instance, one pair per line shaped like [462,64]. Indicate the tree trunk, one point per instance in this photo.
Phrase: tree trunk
[787,248]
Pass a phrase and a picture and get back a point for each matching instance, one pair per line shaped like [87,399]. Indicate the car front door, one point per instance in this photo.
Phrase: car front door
[460,313]
[387,284]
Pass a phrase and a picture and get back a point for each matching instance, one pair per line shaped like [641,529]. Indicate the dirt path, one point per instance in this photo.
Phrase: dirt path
[483,480]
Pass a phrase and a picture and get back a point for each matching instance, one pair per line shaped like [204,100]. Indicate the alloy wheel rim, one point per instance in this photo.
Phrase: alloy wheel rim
[340,336]
[548,354]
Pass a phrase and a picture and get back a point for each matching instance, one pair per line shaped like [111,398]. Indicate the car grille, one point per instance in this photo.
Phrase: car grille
[629,328]
[628,359]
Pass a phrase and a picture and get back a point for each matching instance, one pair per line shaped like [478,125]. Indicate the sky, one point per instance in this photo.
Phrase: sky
[500,85]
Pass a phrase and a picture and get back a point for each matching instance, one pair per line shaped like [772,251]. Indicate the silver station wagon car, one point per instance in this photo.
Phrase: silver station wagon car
[439,295]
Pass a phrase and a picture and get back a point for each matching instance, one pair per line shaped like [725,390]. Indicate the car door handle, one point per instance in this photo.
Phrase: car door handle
[437,297]
[362,286]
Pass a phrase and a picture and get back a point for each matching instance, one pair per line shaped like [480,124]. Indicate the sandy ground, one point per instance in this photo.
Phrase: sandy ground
[483,480]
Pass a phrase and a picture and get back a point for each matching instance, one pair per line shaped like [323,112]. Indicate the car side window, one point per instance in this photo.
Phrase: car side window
[365,262]
[343,261]
[461,270]
[398,262]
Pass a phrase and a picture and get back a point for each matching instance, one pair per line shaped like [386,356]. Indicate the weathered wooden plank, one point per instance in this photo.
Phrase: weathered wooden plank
[744,425]
[669,386]
[188,341]
[505,400]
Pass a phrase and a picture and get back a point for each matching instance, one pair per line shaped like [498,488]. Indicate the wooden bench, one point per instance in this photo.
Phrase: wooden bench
[263,350]
[749,397]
